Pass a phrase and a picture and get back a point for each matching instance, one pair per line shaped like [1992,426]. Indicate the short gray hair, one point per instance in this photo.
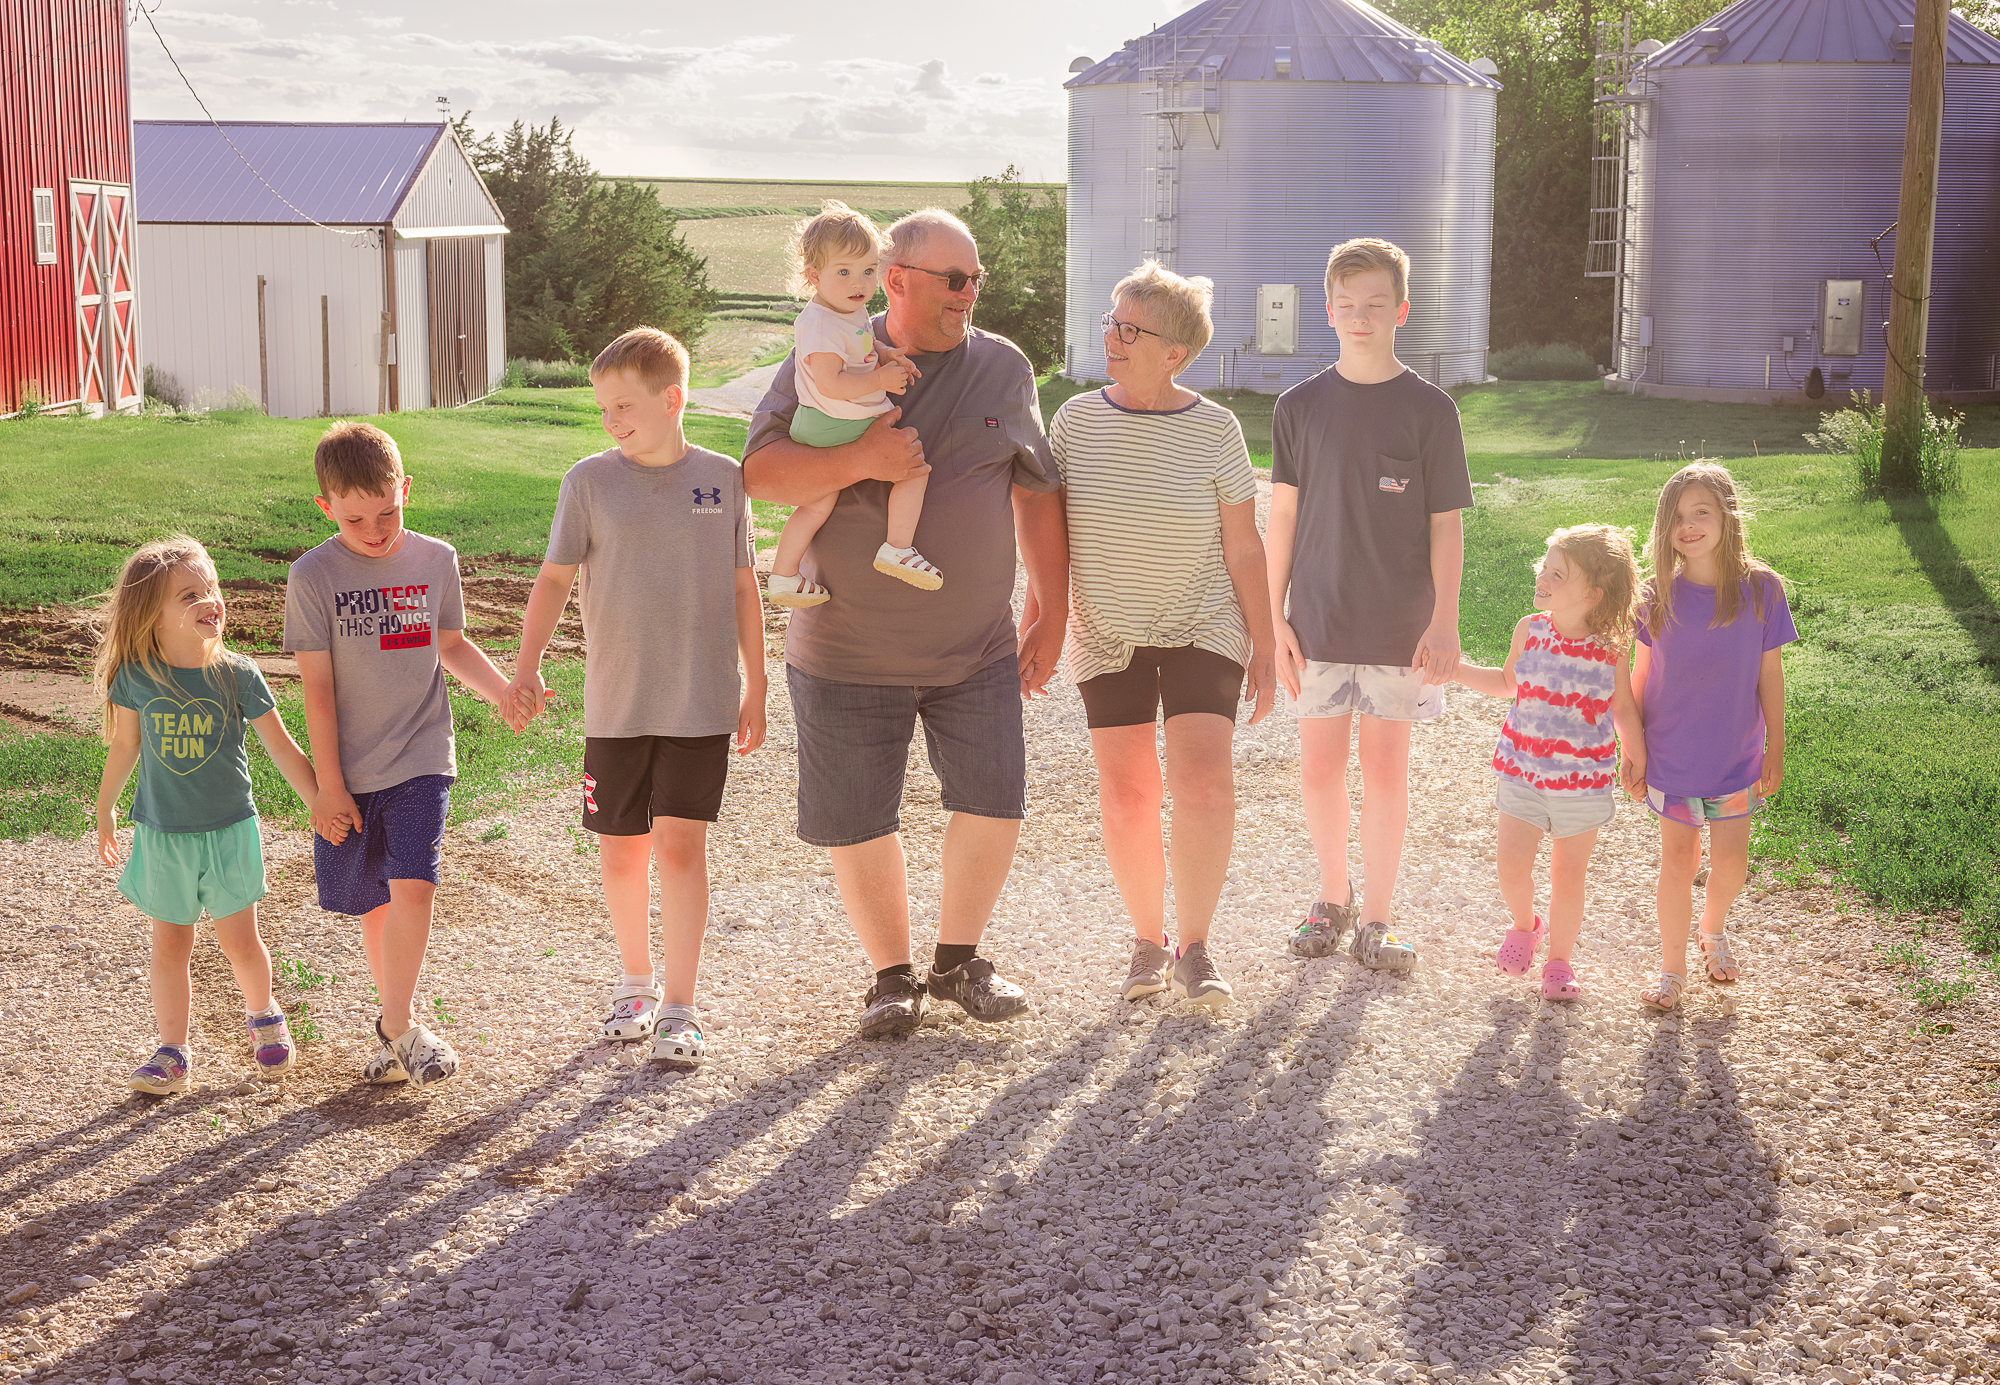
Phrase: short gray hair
[910,237]
[1179,304]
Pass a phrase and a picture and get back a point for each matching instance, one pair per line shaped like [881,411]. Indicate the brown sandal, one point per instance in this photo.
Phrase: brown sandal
[1667,994]
[1715,957]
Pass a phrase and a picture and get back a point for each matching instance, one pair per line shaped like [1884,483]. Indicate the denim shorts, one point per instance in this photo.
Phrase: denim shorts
[854,743]
[1558,814]
[401,838]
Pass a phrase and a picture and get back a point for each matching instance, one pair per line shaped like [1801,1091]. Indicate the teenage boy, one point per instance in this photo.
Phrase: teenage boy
[661,530]
[1368,475]
[375,616]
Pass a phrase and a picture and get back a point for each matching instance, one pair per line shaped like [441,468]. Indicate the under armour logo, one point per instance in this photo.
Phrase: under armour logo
[711,495]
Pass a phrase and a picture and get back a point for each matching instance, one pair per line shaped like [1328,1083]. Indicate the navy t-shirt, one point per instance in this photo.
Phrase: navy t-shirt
[1372,464]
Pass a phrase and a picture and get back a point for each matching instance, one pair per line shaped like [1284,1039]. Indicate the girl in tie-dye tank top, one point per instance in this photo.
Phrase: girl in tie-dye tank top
[1558,762]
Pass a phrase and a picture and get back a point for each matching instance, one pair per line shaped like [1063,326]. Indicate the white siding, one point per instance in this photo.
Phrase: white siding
[413,315]
[447,193]
[496,311]
[198,312]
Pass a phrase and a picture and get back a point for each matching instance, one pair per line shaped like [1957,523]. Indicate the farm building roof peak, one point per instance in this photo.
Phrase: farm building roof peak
[342,173]
[1818,31]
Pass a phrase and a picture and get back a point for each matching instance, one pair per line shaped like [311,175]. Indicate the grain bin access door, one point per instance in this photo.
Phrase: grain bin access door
[455,272]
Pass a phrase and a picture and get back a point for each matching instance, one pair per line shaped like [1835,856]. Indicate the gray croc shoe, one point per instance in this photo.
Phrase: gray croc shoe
[634,1012]
[1376,948]
[678,1037]
[1325,926]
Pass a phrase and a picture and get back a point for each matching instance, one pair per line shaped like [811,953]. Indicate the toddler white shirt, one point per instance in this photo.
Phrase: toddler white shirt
[851,336]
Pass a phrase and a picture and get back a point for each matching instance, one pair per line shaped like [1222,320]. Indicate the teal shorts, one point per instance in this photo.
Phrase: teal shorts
[174,876]
[816,429]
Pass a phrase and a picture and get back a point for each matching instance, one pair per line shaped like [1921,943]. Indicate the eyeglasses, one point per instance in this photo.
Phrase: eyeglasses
[1127,332]
[955,280]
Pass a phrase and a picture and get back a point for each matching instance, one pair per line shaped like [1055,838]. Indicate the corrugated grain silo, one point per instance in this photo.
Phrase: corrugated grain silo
[1766,155]
[1244,140]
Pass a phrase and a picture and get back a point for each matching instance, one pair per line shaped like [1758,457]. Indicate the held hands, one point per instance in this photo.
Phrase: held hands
[1632,769]
[1289,659]
[1437,652]
[335,814]
[526,696]
[1037,650]
[1260,684]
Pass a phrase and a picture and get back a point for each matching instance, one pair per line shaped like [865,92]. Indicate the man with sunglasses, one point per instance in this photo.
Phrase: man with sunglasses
[867,666]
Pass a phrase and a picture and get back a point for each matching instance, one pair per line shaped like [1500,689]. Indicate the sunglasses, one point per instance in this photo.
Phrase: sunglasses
[1128,332]
[955,280]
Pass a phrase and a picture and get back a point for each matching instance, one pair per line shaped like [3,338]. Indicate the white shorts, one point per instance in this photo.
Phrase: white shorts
[1558,814]
[1383,691]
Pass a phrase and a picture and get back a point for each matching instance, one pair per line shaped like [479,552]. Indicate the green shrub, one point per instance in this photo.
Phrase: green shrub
[1557,360]
[523,373]
[1858,432]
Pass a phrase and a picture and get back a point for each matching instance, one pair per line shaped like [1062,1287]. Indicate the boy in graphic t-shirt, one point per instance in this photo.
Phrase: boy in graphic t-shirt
[375,616]
[661,532]
[1365,550]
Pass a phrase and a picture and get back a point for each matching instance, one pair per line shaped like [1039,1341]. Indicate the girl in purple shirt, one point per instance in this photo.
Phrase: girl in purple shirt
[1711,686]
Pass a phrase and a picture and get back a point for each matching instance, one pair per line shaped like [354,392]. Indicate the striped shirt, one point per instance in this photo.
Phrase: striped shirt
[1558,736]
[1145,492]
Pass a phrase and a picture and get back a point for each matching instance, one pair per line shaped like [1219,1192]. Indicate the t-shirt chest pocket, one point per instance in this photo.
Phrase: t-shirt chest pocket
[972,443]
[1395,478]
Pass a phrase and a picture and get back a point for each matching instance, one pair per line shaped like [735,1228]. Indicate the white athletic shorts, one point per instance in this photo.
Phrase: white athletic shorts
[1383,691]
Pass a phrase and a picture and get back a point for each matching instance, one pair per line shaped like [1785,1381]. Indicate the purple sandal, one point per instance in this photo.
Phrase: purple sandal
[1517,949]
[1559,981]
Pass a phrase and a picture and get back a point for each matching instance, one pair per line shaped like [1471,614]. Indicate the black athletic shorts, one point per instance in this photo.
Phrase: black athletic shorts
[1186,679]
[630,780]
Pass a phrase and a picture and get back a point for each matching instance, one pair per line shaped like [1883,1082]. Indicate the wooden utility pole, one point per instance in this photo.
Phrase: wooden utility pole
[1910,285]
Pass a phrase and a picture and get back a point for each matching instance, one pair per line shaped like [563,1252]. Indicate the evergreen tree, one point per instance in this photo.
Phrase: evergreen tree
[1022,235]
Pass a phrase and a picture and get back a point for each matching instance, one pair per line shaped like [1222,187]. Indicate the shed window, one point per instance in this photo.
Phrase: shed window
[45,226]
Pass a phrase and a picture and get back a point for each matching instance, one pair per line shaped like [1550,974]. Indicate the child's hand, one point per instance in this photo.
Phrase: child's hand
[107,841]
[1290,661]
[528,692]
[1774,770]
[750,722]
[334,814]
[895,376]
[1437,653]
[1632,770]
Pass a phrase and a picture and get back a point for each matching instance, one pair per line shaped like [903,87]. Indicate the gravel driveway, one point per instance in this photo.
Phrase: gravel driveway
[1342,1177]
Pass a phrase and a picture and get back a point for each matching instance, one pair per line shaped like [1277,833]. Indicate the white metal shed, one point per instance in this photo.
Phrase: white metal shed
[394,300]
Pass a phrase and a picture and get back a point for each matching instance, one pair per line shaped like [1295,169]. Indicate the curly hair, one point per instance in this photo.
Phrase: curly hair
[1603,554]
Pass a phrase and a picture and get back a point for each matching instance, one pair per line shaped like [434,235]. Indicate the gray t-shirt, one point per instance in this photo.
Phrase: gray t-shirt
[660,546]
[380,618]
[975,410]
[1372,464]
[194,775]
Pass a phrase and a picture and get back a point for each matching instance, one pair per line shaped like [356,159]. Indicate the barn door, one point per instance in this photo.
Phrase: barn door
[107,327]
[455,270]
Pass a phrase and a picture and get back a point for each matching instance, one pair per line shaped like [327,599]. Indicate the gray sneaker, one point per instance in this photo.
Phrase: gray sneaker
[1197,981]
[1151,966]
[894,1007]
[1320,934]
[976,988]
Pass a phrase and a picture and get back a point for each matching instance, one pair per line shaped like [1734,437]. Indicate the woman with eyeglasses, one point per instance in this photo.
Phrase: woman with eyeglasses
[1169,611]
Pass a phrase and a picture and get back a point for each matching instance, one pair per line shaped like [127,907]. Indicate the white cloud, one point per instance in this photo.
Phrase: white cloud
[930,82]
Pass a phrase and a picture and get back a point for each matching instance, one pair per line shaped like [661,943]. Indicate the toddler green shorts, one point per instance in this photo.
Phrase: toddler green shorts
[174,876]
[817,429]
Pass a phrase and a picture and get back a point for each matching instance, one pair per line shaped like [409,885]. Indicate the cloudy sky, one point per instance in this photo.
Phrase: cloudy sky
[721,88]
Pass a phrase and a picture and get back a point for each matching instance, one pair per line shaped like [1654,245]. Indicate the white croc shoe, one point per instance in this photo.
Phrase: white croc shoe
[635,1010]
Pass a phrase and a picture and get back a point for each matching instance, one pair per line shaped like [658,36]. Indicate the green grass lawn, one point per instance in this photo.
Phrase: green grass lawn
[1893,772]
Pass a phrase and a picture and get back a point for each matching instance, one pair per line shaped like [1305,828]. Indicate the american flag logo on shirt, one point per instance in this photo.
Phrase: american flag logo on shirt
[1394,485]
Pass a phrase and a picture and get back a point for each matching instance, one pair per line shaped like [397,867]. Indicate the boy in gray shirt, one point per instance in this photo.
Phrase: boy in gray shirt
[661,532]
[375,616]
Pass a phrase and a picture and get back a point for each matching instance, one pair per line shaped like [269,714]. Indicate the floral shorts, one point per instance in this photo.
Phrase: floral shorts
[1383,691]
[1699,812]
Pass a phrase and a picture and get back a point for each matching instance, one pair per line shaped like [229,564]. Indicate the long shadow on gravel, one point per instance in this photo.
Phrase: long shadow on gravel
[1631,1244]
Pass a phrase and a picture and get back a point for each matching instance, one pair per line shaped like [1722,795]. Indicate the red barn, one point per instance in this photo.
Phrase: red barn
[68,310]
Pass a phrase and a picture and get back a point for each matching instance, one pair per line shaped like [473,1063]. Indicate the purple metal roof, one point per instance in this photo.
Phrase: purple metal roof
[1818,31]
[1325,41]
[341,174]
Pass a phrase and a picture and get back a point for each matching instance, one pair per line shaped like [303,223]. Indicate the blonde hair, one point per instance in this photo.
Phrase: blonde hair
[354,458]
[1735,565]
[128,622]
[1364,255]
[1179,306]
[837,230]
[660,362]
[1603,555]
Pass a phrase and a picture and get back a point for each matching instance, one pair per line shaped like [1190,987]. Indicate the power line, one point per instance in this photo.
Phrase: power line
[337,230]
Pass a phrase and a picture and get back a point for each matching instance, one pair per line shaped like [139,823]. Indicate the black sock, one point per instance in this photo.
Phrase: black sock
[902,969]
[952,956]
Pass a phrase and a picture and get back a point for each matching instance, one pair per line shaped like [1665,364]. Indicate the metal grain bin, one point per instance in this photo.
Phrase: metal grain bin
[1766,155]
[1244,140]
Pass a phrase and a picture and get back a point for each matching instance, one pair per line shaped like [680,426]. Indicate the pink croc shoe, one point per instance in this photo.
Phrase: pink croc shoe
[1559,981]
[1517,949]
